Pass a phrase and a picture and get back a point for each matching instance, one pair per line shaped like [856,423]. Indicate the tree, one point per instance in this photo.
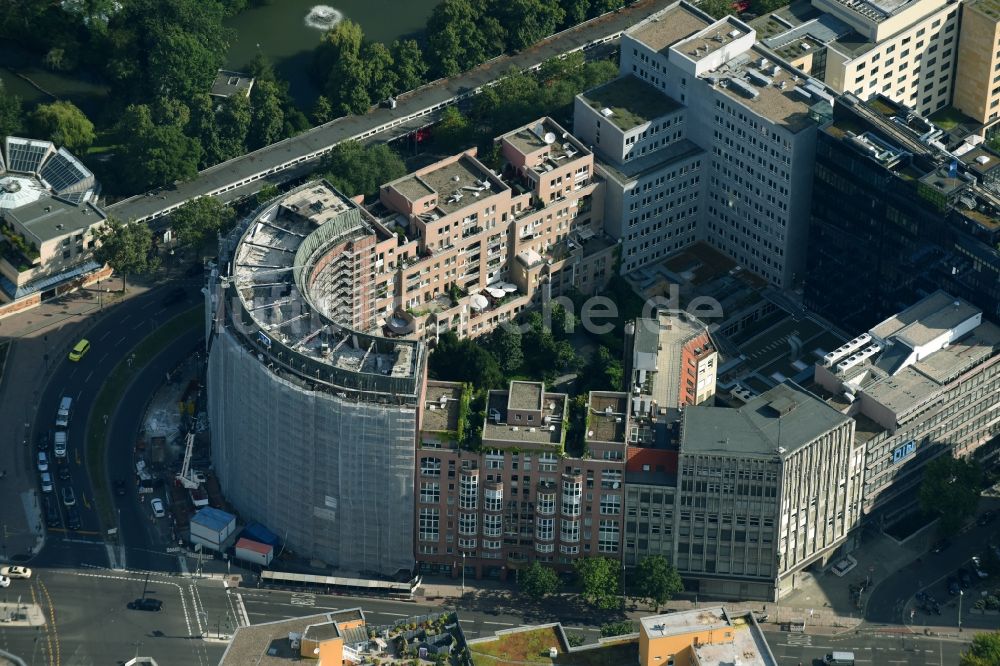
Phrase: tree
[234,118]
[126,247]
[267,192]
[411,70]
[154,154]
[381,74]
[322,111]
[655,581]
[619,628]
[528,21]
[984,650]
[10,112]
[457,41]
[454,132]
[599,580]
[575,11]
[464,360]
[505,344]
[355,169]
[341,70]
[716,8]
[200,220]
[950,489]
[538,581]
[267,119]
[62,123]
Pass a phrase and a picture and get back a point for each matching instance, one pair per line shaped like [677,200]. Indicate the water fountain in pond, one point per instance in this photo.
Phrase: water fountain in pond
[323,17]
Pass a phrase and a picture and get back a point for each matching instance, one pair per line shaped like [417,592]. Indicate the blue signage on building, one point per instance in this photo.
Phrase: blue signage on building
[903,451]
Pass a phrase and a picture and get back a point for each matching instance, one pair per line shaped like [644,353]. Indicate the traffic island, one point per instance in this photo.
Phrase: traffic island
[21,615]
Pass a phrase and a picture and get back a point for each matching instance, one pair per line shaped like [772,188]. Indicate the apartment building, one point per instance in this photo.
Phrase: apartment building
[897,211]
[977,79]
[471,247]
[673,361]
[757,494]
[921,384]
[524,496]
[706,136]
[48,216]
[904,50]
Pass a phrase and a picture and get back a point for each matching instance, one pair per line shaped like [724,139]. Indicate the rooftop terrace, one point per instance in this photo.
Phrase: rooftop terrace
[546,136]
[441,407]
[456,184]
[631,102]
[608,417]
[668,27]
[499,429]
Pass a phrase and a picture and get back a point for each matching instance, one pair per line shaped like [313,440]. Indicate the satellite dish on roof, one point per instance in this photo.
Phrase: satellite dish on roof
[549,138]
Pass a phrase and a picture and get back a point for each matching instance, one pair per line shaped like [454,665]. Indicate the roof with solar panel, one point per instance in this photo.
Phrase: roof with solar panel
[45,189]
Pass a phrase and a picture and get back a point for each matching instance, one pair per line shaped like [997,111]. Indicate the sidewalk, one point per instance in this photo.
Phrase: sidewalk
[39,339]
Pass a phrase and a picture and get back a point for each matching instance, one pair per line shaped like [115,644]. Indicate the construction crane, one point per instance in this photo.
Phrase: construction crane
[188,477]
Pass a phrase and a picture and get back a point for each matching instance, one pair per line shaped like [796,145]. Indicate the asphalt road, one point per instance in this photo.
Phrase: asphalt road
[111,339]
[875,649]
[892,599]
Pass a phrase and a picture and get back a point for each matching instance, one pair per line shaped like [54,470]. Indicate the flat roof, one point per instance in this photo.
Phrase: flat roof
[685,149]
[553,407]
[990,8]
[665,28]
[631,101]
[744,644]
[525,395]
[753,428]
[926,319]
[608,417]
[945,364]
[441,402]
[531,138]
[228,83]
[449,182]
[713,38]
[49,217]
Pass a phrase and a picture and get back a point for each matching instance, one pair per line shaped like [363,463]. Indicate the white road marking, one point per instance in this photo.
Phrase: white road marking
[106,334]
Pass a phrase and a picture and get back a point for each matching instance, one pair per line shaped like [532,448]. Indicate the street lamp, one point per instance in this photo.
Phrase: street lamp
[463,575]
[961,594]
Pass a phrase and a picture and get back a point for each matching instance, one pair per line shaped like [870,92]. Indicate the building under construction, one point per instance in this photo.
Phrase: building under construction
[313,421]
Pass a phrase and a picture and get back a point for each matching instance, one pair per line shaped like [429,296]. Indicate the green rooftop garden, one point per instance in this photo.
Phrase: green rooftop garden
[532,647]
[631,101]
[949,118]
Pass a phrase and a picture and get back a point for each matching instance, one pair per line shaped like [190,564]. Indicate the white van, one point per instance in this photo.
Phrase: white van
[839,659]
[59,447]
[62,416]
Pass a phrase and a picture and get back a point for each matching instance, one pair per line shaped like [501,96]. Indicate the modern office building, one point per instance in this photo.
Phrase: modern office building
[896,214]
[313,420]
[757,494]
[921,384]
[525,495]
[904,50]
[977,79]
[706,136]
[472,247]
[48,211]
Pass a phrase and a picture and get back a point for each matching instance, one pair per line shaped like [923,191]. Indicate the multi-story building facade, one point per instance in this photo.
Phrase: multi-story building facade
[895,215]
[921,384]
[673,361]
[706,136]
[523,496]
[977,78]
[905,51]
[471,247]
[313,420]
[48,218]
[757,494]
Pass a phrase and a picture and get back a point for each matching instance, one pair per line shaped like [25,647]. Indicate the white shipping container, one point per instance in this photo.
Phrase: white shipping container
[257,553]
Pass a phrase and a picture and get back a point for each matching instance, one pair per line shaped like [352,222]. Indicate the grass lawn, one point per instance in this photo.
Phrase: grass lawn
[532,647]
[111,393]
[949,117]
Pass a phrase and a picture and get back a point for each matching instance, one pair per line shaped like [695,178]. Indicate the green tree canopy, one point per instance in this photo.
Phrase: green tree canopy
[10,113]
[267,117]
[457,41]
[656,581]
[950,489]
[538,581]
[200,220]
[504,342]
[355,169]
[126,247]
[62,123]
[464,360]
[154,154]
[453,133]
[599,578]
[528,21]
[381,74]
[984,650]
[717,8]
[408,59]
[341,70]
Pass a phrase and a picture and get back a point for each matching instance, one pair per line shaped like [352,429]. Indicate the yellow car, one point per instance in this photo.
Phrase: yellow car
[81,348]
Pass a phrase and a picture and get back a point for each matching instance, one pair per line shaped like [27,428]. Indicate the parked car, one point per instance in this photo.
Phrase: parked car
[157,505]
[46,482]
[51,511]
[977,566]
[64,473]
[953,586]
[60,444]
[4,581]
[985,518]
[43,461]
[68,496]
[964,579]
[15,572]
[146,604]
[73,518]
[941,546]
[43,440]
[79,350]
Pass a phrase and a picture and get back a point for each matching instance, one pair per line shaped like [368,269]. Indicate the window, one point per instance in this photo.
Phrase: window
[467,523]
[544,529]
[607,536]
[569,530]
[430,467]
[611,504]
[429,520]
[491,526]
[430,491]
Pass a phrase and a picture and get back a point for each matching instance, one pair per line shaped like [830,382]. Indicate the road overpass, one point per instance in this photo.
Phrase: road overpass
[414,109]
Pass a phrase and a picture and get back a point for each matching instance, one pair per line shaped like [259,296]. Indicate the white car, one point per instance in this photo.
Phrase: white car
[43,462]
[60,444]
[4,581]
[15,572]
[158,509]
